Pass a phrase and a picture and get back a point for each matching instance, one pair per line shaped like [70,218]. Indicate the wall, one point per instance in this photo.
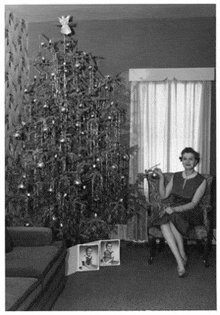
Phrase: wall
[149,43]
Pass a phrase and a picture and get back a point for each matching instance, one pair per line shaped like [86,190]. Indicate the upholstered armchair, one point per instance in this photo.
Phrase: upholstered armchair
[202,234]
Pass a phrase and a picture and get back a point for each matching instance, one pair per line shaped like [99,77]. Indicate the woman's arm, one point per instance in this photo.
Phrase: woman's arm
[164,190]
[196,199]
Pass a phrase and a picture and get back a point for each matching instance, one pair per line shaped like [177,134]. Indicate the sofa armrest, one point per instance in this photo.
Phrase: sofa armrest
[30,236]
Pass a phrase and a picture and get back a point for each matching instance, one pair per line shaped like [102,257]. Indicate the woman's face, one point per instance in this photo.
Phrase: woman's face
[189,161]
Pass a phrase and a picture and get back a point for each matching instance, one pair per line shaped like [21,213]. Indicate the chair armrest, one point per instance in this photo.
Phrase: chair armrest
[206,209]
[30,236]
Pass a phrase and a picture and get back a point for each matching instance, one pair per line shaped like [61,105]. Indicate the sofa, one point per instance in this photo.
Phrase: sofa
[34,268]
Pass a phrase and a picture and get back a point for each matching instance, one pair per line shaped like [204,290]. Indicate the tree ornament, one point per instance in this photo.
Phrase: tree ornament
[64,109]
[45,106]
[77,124]
[154,175]
[126,157]
[50,190]
[77,182]
[77,65]
[21,186]
[54,218]
[62,140]
[98,160]
[40,164]
[114,167]
[17,135]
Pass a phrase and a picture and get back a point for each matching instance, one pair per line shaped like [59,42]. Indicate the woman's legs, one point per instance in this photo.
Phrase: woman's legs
[179,240]
[171,241]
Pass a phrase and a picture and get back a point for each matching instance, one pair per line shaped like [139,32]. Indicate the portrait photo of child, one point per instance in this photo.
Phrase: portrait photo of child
[88,257]
[110,252]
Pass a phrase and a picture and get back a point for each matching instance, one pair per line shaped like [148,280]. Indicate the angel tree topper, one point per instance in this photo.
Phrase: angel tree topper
[65,29]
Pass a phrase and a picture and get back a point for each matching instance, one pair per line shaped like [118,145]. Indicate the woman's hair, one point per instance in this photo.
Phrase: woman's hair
[190,150]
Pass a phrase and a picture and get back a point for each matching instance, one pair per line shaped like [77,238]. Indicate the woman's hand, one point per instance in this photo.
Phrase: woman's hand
[158,172]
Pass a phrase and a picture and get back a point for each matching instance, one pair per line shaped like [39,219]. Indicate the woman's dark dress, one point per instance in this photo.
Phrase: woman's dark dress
[180,195]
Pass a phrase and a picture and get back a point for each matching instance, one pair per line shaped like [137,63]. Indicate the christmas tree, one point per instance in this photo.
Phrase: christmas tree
[70,170]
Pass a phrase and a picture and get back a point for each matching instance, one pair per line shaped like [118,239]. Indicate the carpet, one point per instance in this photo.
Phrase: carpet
[136,286]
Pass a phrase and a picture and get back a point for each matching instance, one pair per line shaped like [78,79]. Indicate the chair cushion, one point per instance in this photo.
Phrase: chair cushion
[199,232]
[155,232]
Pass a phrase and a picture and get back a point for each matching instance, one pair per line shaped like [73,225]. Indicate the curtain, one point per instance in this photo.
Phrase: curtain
[165,118]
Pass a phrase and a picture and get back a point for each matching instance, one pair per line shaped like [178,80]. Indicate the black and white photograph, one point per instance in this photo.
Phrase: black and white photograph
[110,156]
[109,252]
[88,257]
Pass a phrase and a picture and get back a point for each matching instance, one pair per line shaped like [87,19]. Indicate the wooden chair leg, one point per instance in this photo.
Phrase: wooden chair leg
[152,246]
[161,245]
[207,247]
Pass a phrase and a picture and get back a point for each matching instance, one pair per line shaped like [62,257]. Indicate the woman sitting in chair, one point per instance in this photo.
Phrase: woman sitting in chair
[186,190]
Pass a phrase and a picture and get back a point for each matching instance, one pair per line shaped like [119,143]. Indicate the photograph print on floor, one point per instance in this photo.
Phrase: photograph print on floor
[109,252]
[88,258]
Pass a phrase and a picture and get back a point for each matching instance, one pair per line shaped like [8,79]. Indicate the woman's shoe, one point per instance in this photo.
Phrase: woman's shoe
[181,272]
